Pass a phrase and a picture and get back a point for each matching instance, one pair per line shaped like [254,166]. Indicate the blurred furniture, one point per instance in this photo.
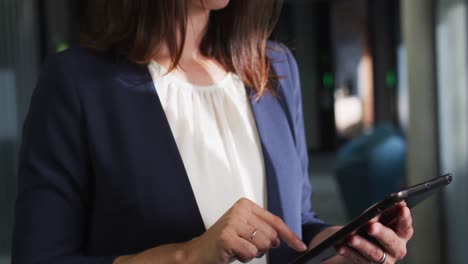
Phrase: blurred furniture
[370,167]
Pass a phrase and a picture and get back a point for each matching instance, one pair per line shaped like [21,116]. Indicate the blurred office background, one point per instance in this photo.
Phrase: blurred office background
[385,94]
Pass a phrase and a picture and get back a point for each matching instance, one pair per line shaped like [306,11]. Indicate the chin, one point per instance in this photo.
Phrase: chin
[213,4]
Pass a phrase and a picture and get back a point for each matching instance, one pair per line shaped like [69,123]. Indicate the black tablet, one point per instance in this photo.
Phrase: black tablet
[412,195]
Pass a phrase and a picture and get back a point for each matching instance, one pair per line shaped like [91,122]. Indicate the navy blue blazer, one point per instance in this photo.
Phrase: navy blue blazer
[100,174]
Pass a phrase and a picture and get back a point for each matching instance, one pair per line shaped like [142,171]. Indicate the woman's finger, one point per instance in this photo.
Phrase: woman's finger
[284,232]
[393,244]
[352,255]
[261,241]
[371,251]
[404,224]
[246,230]
[244,250]
[268,231]
[255,236]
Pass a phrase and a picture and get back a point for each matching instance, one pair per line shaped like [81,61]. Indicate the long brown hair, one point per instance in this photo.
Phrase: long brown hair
[236,36]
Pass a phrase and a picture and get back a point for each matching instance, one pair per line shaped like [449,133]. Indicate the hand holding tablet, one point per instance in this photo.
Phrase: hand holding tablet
[383,212]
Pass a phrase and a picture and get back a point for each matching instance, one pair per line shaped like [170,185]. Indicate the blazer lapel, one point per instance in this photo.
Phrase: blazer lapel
[282,166]
[163,157]
[264,110]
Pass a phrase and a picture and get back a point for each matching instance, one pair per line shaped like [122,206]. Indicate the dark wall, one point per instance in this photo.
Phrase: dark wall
[19,64]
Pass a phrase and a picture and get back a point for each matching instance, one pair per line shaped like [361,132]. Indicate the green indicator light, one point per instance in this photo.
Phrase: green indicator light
[328,80]
[62,47]
[391,79]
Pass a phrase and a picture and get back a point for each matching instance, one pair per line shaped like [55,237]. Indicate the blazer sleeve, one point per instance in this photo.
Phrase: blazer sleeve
[54,188]
[311,224]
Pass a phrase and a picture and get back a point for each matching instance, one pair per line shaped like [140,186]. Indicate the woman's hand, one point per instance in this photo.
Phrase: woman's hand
[244,232]
[392,241]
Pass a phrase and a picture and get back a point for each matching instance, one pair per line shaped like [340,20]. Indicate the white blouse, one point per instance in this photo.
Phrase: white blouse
[217,138]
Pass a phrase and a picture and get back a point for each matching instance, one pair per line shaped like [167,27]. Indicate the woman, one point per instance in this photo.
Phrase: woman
[168,138]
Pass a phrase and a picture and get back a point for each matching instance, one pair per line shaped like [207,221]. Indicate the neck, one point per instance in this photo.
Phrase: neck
[197,22]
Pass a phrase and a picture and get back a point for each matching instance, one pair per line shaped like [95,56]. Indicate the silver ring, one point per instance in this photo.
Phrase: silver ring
[253,235]
[382,260]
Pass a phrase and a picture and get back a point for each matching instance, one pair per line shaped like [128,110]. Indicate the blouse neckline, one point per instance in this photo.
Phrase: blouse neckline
[163,72]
